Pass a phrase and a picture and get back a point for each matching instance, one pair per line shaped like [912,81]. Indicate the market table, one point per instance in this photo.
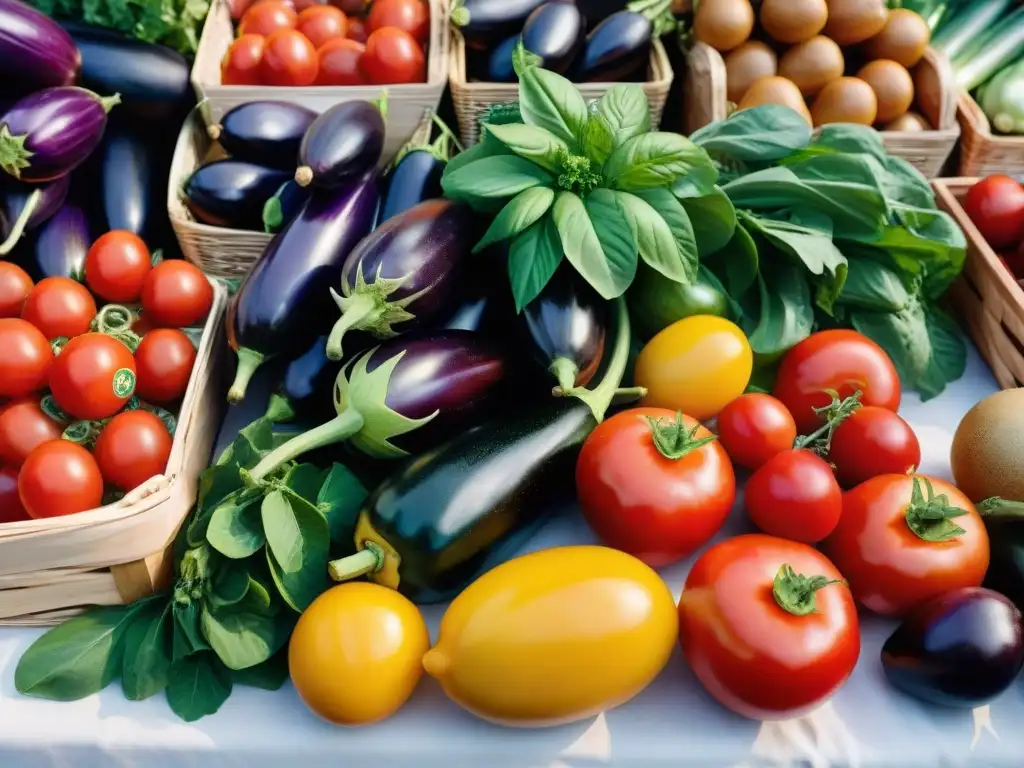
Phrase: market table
[673,722]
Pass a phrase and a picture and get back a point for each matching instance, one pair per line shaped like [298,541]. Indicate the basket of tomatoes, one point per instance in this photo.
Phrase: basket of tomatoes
[317,55]
[108,415]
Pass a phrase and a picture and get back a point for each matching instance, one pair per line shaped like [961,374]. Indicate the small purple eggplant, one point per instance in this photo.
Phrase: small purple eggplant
[59,247]
[264,132]
[50,133]
[23,207]
[405,273]
[429,387]
[35,52]
[342,143]
[231,193]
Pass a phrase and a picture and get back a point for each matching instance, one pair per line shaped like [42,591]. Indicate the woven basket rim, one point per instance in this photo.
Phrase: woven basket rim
[971,110]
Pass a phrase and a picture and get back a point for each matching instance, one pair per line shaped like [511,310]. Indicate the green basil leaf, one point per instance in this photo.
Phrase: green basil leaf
[551,102]
[340,499]
[488,146]
[713,219]
[873,286]
[681,266]
[257,598]
[235,528]
[241,639]
[305,480]
[518,214]
[597,240]
[624,106]
[215,484]
[655,159]
[147,652]
[186,634]
[533,143]
[269,676]
[533,258]
[598,139]
[199,684]
[737,262]
[487,183]
[298,545]
[785,315]
[903,183]
[759,134]
[253,442]
[694,185]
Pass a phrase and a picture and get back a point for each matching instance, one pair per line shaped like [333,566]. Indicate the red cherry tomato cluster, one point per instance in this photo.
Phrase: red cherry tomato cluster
[282,45]
[79,371]
[996,207]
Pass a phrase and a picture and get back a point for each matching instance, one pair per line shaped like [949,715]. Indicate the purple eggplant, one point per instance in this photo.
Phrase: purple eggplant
[485,23]
[284,206]
[499,67]
[341,144]
[264,132]
[284,302]
[50,133]
[35,53]
[555,32]
[960,650]
[405,273]
[23,207]
[416,175]
[231,193]
[616,50]
[58,248]
[306,386]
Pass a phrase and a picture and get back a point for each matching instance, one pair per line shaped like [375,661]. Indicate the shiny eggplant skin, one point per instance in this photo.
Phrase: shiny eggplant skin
[415,178]
[960,650]
[15,195]
[232,193]
[556,32]
[341,144]
[58,247]
[499,62]
[307,382]
[616,50]
[264,132]
[596,11]
[35,53]
[491,21]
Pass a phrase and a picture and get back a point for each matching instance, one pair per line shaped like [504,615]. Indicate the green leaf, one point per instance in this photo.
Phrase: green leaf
[253,442]
[655,159]
[597,240]
[186,634]
[663,233]
[340,499]
[305,480]
[759,134]
[269,676]
[199,684]
[625,109]
[488,146]
[533,258]
[147,652]
[551,102]
[598,139]
[873,286]
[518,214]
[737,262]
[235,528]
[785,315]
[713,219]
[532,143]
[487,183]
[228,585]
[241,639]
[298,545]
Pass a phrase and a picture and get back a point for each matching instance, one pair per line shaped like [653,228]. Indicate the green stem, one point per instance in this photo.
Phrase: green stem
[370,559]
[279,409]
[565,371]
[113,319]
[82,432]
[795,593]
[600,397]
[459,14]
[673,440]
[359,307]
[931,517]
[341,427]
[109,102]
[835,413]
[446,131]
[248,361]
[22,221]
[997,508]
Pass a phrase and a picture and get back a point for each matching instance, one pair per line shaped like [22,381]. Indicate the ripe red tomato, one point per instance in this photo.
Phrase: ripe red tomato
[175,294]
[60,306]
[894,555]
[133,447]
[164,361]
[15,285]
[59,478]
[873,441]
[755,427]
[795,496]
[321,23]
[339,63]
[357,30]
[11,509]
[756,657]
[117,265]
[412,16]
[26,359]
[288,59]
[654,486]
[93,376]
[241,64]
[840,360]
[996,206]
[393,56]
[266,18]
[23,426]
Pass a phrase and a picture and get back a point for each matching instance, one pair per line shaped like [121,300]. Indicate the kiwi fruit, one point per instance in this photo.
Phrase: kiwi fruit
[988,448]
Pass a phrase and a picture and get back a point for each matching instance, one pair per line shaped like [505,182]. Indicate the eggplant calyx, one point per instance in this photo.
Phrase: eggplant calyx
[279,409]
[459,14]
[273,214]
[109,102]
[795,593]
[348,422]
[931,517]
[248,361]
[599,399]
[13,154]
[369,559]
[998,508]
[366,308]
[565,371]
[673,440]
[834,414]
[22,221]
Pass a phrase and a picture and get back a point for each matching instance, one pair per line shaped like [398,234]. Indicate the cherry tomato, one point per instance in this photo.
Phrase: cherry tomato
[11,509]
[93,376]
[176,294]
[412,16]
[321,23]
[15,285]
[164,361]
[339,63]
[266,18]
[23,426]
[26,358]
[768,626]
[357,30]
[117,265]
[60,306]
[133,447]
[351,7]
[873,441]
[755,427]
[899,547]
[288,59]
[59,478]
[840,360]
[393,56]
[996,207]
[651,486]
[795,496]
[241,64]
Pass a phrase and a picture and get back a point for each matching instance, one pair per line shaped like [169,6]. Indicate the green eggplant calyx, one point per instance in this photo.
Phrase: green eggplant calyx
[673,439]
[109,102]
[795,593]
[273,216]
[370,559]
[248,361]
[600,398]
[13,154]
[565,372]
[19,225]
[834,414]
[381,102]
[459,15]
[931,517]
[347,423]
[279,409]
[998,508]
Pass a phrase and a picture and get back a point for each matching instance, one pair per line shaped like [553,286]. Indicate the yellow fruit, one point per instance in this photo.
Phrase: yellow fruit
[555,636]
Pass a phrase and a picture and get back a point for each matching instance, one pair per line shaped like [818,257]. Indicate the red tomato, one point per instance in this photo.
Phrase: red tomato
[176,294]
[266,18]
[873,441]
[755,427]
[996,206]
[357,30]
[393,56]
[844,361]
[164,361]
[339,63]
[11,509]
[288,59]
[645,491]
[133,447]
[795,496]
[59,478]
[757,658]
[241,64]
[23,426]
[894,556]
[412,16]
[93,376]
[321,23]
[26,358]
[15,285]
[60,306]
[117,265]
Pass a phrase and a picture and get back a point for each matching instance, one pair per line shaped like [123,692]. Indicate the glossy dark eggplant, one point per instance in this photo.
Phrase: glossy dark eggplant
[414,178]
[556,32]
[341,144]
[58,247]
[406,272]
[284,206]
[485,305]
[962,649]
[23,207]
[306,386]
[35,53]
[499,63]
[1005,525]
[264,132]
[596,11]
[616,50]
[284,302]
[232,193]
[485,23]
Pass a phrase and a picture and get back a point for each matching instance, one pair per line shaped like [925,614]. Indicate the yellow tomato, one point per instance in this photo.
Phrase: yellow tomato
[697,365]
[555,636]
[355,655]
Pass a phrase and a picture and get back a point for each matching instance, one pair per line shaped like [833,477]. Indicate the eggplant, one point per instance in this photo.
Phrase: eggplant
[284,302]
[1004,521]
[284,206]
[232,193]
[59,247]
[962,649]
[264,132]
[596,11]
[35,53]
[486,305]
[485,23]
[499,63]
[555,32]
[416,175]
[616,50]
[405,273]
[341,144]
[23,207]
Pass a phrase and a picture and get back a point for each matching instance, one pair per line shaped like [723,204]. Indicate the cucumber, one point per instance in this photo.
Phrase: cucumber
[1000,49]
[968,26]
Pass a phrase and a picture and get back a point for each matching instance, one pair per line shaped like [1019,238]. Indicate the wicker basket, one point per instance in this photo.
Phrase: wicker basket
[472,100]
[981,152]
[54,568]
[706,102]
[406,102]
[986,297]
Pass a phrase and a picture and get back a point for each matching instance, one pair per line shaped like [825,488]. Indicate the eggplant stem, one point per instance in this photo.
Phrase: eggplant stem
[109,102]
[279,409]
[599,399]
[213,131]
[355,311]
[21,223]
[370,559]
[341,427]
[303,175]
[565,371]
[248,361]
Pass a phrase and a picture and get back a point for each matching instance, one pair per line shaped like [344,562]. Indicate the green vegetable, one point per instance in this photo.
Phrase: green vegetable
[1003,99]
[968,27]
[1003,46]
[655,302]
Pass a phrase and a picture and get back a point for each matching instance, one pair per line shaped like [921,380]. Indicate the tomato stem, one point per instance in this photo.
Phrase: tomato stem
[931,517]
[673,439]
[370,559]
[835,413]
[997,508]
[113,319]
[49,406]
[795,592]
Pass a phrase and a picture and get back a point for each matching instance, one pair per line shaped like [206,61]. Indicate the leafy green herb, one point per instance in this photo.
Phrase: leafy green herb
[339,499]
[626,111]
[147,652]
[298,546]
[533,258]
[235,529]
[771,132]
[270,675]
[518,215]
[241,638]
[198,686]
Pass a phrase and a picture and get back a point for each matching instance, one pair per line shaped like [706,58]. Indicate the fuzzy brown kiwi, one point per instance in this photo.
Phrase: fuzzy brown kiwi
[723,24]
[747,64]
[893,87]
[987,456]
[793,21]
[812,64]
[775,90]
[854,21]
[903,39]
[846,100]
